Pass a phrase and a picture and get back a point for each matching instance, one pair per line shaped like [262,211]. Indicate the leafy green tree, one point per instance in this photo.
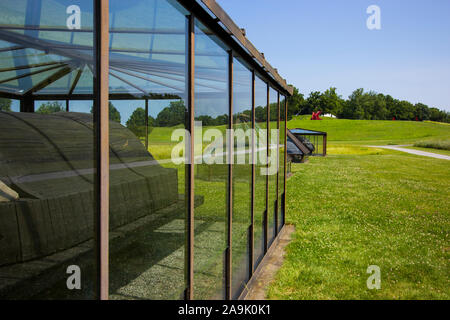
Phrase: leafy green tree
[136,122]
[422,112]
[172,115]
[330,102]
[260,114]
[296,103]
[313,102]
[352,108]
[50,107]
[114,114]
[5,104]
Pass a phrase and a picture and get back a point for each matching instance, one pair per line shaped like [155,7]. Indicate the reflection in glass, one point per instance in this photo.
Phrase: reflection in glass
[273,165]
[47,155]
[211,170]
[242,174]
[260,167]
[147,104]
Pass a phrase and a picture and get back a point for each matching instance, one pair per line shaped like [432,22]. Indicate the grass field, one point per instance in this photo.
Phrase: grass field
[364,206]
[366,132]
[357,207]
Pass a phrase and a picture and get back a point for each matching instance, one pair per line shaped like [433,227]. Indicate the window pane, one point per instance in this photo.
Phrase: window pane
[273,164]
[47,175]
[282,164]
[211,170]
[147,104]
[242,174]
[260,167]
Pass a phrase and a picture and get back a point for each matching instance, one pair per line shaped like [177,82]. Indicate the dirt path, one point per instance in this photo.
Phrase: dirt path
[416,152]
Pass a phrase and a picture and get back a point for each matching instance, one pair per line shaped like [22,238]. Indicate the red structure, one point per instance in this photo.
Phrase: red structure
[315,115]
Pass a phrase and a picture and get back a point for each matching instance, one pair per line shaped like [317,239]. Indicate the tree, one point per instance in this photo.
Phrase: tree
[352,108]
[5,104]
[295,103]
[172,115]
[422,112]
[312,104]
[330,102]
[114,114]
[260,114]
[50,107]
[136,122]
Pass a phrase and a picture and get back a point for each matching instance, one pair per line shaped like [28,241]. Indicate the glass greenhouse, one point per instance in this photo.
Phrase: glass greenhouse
[141,151]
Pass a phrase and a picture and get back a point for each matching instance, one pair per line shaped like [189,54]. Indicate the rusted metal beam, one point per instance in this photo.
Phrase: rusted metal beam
[101,92]
[190,162]
[239,34]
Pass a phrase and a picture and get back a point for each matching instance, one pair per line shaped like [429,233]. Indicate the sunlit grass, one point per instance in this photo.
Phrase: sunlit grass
[352,211]
[373,132]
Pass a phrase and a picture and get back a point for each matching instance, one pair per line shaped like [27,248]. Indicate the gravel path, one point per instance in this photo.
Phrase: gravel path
[416,152]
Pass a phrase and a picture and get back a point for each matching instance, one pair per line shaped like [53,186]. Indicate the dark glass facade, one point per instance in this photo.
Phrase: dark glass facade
[171,187]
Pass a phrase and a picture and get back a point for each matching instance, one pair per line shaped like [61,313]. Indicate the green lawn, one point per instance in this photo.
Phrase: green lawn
[364,206]
[369,132]
[359,206]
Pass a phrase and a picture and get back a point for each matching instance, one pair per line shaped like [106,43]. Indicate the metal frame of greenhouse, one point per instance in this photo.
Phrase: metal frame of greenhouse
[105,63]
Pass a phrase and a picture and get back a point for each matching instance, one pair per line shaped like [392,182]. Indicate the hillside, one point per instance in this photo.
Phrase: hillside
[373,132]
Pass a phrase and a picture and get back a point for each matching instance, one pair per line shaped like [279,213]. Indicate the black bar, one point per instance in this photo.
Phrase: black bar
[266,212]
[230,143]
[146,124]
[252,226]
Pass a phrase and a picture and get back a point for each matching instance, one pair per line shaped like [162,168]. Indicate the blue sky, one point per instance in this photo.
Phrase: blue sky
[316,44]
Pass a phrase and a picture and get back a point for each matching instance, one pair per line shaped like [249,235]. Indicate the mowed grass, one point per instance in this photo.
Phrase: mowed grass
[359,206]
[363,206]
[371,132]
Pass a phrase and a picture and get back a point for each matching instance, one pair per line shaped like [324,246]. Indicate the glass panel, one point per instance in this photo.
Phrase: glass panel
[260,167]
[242,174]
[281,161]
[147,189]
[211,170]
[82,106]
[273,164]
[7,104]
[47,107]
[47,175]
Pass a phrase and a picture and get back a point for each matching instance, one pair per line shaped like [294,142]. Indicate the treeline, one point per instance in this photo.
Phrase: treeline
[363,105]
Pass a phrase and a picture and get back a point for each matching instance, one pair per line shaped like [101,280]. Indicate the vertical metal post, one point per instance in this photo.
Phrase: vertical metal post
[190,160]
[266,213]
[283,204]
[325,145]
[101,92]
[252,204]
[27,104]
[230,147]
[146,124]
[67,105]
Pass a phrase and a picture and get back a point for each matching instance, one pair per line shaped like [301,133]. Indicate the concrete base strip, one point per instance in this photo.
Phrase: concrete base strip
[265,273]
